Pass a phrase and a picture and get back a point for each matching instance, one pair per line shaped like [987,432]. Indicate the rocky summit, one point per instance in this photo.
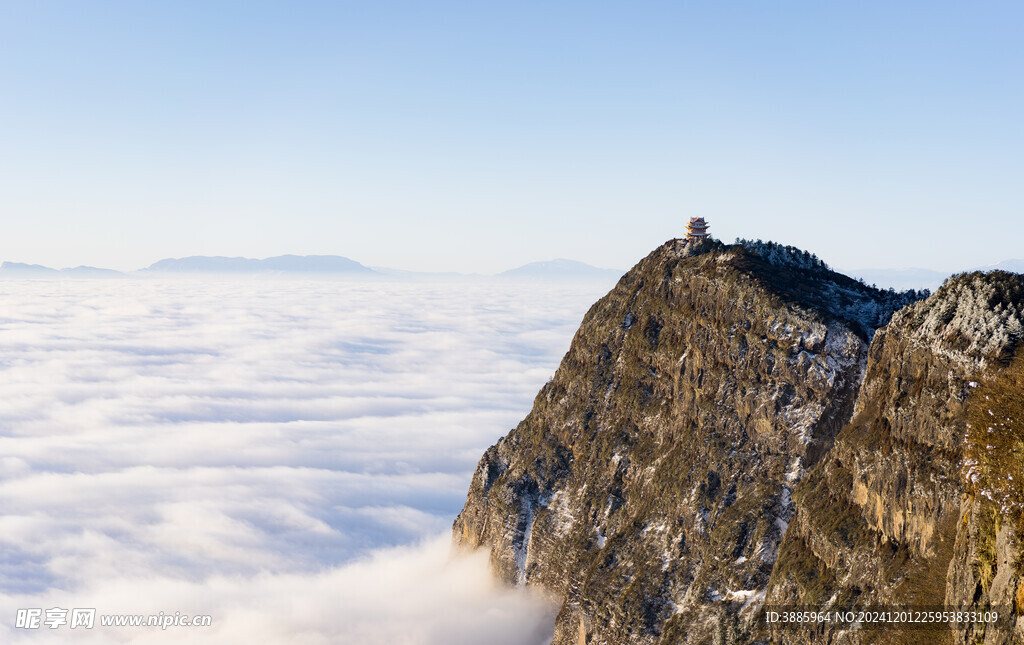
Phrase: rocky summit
[737,429]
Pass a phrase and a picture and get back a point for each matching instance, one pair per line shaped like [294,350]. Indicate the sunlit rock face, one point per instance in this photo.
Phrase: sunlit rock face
[652,484]
[891,515]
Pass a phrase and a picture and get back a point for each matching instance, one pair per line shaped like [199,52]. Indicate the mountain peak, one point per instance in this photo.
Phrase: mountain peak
[801,278]
[706,363]
[721,434]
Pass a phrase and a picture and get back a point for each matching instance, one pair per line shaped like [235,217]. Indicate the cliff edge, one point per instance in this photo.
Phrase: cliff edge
[737,427]
[652,483]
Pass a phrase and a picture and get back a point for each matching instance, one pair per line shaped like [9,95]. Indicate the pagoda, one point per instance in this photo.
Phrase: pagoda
[697,229]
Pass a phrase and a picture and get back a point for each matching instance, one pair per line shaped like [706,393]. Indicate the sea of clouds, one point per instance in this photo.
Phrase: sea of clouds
[285,456]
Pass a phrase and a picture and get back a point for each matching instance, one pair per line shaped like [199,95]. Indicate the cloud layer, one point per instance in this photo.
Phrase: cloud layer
[278,454]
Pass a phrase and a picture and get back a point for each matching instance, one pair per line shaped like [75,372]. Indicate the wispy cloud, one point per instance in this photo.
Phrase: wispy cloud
[246,449]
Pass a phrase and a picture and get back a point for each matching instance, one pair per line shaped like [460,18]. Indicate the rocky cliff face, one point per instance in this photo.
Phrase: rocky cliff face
[888,517]
[703,450]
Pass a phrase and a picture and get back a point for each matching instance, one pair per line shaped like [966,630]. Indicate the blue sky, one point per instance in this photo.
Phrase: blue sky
[476,136]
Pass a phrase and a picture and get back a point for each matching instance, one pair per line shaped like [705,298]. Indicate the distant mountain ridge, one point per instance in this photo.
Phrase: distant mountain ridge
[915,278]
[901,278]
[1014,266]
[280,263]
[26,269]
[23,270]
[324,265]
[560,269]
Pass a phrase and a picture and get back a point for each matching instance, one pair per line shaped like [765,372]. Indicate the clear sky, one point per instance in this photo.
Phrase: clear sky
[477,136]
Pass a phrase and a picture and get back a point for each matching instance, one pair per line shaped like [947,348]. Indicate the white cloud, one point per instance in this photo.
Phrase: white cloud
[417,595]
[247,450]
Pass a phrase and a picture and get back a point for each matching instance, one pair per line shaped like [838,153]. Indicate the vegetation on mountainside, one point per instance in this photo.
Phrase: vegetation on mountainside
[994,459]
[979,315]
[805,276]
[780,255]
